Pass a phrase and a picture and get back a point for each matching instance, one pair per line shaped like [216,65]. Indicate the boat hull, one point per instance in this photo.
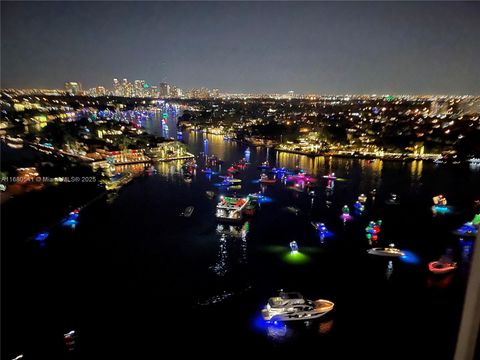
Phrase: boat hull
[322,307]
[436,267]
[381,252]
[228,220]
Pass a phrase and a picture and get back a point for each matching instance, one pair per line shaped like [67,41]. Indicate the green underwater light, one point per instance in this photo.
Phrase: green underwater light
[296,257]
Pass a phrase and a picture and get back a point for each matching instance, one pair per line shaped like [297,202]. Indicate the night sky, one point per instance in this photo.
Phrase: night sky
[397,48]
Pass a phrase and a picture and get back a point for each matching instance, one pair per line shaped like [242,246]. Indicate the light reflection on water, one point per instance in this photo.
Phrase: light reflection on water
[220,267]
[287,331]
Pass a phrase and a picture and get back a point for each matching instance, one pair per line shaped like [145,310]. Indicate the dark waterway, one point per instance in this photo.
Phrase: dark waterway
[133,278]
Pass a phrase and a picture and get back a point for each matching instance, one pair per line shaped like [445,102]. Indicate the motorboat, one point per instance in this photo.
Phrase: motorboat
[294,246]
[231,208]
[373,229]
[319,227]
[467,229]
[362,198]
[439,200]
[42,236]
[210,194]
[359,206]
[118,180]
[390,251]
[233,180]
[444,265]
[70,339]
[279,170]
[293,209]
[265,165]
[330,176]
[292,306]
[188,212]
[393,200]
[265,180]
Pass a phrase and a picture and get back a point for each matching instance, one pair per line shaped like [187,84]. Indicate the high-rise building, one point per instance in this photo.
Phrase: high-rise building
[127,88]
[164,91]
[117,89]
[101,91]
[73,87]
[154,91]
[140,89]
[173,91]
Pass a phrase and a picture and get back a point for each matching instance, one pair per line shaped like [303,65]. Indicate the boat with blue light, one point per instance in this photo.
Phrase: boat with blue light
[390,251]
[319,226]
[265,165]
[294,246]
[359,206]
[467,229]
[292,306]
[41,236]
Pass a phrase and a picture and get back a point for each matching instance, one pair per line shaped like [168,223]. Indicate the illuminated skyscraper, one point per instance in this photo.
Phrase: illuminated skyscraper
[164,90]
[101,91]
[73,88]
[117,90]
[140,88]
[127,88]
[154,91]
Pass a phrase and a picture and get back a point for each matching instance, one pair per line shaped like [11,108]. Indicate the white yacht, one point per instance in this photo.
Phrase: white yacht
[390,251]
[291,306]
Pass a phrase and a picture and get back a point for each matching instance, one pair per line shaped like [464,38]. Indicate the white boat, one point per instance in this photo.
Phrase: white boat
[118,180]
[390,251]
[231,208]
[188,211]
[292,306]
[210,194]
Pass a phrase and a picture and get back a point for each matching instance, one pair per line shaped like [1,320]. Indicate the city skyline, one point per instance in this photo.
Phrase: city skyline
[318,48]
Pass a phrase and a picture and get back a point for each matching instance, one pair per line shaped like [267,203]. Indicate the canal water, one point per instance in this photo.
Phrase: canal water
[135,279]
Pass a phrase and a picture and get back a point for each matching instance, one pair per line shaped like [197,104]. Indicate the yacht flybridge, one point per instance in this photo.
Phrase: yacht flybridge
[291,306]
